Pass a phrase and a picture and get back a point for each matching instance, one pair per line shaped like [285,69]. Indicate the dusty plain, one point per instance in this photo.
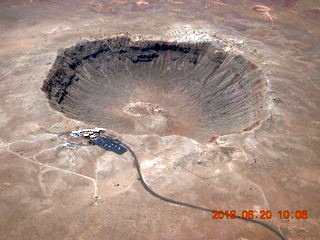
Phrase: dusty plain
[47,188]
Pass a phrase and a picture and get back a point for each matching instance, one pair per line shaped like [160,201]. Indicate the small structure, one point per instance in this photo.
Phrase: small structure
[95,138]
[88,133]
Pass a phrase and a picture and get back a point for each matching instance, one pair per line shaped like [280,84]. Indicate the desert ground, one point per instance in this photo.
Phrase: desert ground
[51,189]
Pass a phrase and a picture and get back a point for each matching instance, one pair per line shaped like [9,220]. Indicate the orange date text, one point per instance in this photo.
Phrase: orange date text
[261,214]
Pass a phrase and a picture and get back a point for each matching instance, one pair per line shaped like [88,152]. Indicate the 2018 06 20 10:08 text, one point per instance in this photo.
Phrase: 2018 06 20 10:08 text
[261,214]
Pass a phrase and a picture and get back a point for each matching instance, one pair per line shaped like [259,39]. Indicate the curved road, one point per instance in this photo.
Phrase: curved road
[156,195]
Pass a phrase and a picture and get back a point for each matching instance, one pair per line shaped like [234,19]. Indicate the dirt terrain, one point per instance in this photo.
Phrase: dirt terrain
[254,147]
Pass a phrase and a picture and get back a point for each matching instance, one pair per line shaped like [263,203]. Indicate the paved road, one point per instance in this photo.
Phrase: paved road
[156,195]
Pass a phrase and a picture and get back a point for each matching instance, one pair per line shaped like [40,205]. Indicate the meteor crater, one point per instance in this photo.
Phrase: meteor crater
[156,87]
